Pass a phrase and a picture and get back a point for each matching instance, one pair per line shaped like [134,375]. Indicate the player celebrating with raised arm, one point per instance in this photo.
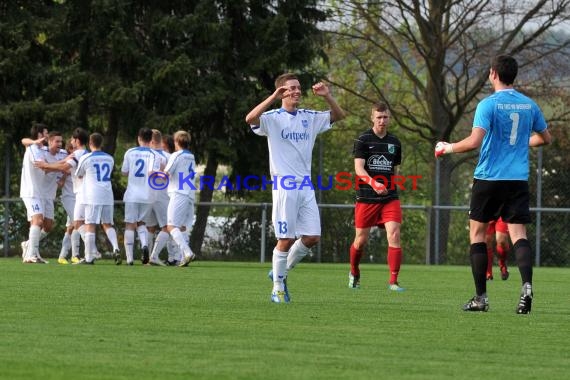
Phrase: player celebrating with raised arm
[32,183]
[291,134]
[506,123]
[377,154]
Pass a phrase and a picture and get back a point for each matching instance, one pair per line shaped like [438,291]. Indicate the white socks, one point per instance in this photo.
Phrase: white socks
[112,236]
[65,245]
[75,243]
[150,240]
[174,253]
[178,237]
[143,233]
[296,254]
[33,242]
[90,246]
[129,245]
[160,243]
[279,269]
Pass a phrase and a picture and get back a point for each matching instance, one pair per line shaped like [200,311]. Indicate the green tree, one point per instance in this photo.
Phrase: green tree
[440,50]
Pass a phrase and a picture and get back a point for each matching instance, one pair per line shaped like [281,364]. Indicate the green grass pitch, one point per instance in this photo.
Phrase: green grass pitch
[214,320]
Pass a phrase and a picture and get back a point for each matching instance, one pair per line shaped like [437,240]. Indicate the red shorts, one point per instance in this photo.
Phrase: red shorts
[497,225]
[368,215]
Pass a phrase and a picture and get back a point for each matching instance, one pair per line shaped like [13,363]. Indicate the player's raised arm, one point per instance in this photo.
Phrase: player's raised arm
[253,116]
[337,113]
[26,141]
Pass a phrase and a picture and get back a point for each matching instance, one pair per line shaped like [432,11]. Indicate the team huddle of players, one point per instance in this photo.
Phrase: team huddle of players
[83,173]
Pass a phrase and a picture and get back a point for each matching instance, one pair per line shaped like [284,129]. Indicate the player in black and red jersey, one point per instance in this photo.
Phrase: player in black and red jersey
[377,155]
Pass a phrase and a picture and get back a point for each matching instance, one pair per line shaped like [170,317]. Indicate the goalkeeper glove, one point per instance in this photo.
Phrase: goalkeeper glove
[442,148]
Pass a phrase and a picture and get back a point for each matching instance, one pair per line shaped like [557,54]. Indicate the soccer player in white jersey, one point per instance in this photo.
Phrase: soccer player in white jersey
[67,197]
[51,153]
[174,254]
[96,168]
[291,134]
[181,172]
[505,124]
[158,214]
[138,164]
[79,139]
[32,193]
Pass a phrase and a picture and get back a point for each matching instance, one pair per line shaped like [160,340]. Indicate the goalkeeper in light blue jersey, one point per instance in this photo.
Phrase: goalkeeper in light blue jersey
[505,125]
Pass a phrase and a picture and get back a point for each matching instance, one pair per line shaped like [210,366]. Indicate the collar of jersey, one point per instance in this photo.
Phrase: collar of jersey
[290,113]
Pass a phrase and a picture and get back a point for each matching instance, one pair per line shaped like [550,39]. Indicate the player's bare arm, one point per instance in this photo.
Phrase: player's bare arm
[59,166]
[26,141]
[542,138]
[61,181]
[337,113]
[253,116]
[471,142]
[361,172]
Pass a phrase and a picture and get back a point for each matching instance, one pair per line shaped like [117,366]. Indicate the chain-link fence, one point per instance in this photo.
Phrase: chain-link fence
[243,232]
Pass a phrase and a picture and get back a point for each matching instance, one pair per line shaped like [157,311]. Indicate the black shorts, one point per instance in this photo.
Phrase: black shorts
[506,199]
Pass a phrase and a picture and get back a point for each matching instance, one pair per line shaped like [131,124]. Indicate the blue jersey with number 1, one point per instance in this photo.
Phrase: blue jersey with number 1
[509,118]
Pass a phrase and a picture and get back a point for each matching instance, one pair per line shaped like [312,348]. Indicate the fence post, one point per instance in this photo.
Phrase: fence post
[7,154]
[263,231]
[538,206]
[429,211]
[436,221]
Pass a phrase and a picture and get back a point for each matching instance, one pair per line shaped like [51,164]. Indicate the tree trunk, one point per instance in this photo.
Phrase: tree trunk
[202,212]
[110,138]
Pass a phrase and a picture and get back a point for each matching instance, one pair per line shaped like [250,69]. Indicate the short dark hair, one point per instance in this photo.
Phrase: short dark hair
[506,68]
[81,135]
[145,134]
[36,129]
[380,107]
[168,140]
[53,134]
[96,140]
[281,79]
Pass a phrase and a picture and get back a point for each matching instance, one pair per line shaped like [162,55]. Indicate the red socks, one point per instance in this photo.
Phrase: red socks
[502,254]
[490,253]
[394,262]
[355,256]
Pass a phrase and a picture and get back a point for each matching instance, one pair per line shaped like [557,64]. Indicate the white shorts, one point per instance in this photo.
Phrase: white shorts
[99,214]
[79,212]
[190,220]
[295,213]
[158,214]
[180,210]
[136,212]
[37,206]
[69,206]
